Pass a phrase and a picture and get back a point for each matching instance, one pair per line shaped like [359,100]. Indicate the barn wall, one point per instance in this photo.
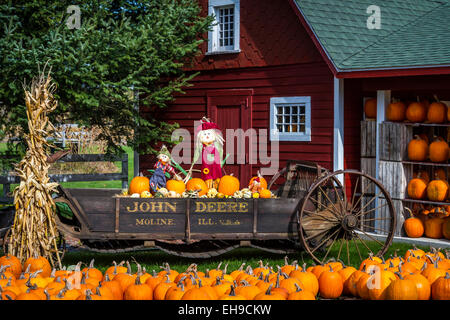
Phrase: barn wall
[271,34]
[313,79]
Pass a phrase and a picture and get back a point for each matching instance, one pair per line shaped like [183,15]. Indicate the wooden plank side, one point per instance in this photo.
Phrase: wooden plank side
[221,216]
[277,216]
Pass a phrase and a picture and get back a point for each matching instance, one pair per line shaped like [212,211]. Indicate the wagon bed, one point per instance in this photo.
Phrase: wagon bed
[314,211]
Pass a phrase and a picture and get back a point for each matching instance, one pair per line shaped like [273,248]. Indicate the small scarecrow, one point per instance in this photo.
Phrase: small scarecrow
[208,145]
[158,179]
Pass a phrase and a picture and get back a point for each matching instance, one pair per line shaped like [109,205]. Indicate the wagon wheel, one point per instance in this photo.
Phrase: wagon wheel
[355,217]
[61,244]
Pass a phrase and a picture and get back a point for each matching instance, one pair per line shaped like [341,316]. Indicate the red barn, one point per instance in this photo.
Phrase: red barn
[303,68]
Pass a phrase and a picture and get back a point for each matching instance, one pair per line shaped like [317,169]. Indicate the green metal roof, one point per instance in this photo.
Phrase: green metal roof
[413,32]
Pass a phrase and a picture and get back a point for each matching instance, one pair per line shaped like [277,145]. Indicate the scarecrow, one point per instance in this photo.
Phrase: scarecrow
[208,145]
[158,179]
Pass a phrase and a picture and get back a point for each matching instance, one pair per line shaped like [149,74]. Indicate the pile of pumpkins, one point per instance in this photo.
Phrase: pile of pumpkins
[429,221]
[420,187]
[417,112]
[226,187]
[418,275]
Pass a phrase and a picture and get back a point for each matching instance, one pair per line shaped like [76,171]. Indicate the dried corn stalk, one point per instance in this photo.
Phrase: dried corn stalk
[34,231]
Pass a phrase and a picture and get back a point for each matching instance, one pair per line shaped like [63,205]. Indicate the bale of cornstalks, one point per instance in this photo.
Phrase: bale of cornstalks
[34,231]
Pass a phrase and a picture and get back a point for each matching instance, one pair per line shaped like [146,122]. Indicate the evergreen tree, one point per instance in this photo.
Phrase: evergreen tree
[122,47]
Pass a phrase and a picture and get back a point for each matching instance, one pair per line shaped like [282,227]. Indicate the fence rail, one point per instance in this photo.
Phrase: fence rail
[6,181]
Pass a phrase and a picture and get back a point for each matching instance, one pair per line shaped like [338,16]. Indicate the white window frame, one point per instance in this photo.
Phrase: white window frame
[290,136]
[213,35]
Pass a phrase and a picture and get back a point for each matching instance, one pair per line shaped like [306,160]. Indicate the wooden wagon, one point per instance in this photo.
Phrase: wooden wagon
[315,210]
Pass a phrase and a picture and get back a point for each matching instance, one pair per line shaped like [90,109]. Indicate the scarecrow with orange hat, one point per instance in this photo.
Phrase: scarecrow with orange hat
[208,145]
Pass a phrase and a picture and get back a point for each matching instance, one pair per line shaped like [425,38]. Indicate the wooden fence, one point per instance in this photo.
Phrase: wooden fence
[6,181]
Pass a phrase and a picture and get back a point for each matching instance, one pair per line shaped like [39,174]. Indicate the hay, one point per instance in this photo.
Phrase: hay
[34,230]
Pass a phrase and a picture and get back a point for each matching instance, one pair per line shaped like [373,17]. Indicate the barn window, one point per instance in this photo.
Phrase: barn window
[290,118]
[224,35]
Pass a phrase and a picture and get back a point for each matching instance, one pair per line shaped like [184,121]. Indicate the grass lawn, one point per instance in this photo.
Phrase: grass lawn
[153,259]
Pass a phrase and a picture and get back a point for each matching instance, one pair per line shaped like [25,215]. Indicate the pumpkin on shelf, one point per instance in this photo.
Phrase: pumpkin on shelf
[417,188]
[433,227]
[139,184]
[413,226]
[396,111]
[437,190]
[228,185]
[438,150]
[417,149]
[416,112]
[370,108]
[437,112]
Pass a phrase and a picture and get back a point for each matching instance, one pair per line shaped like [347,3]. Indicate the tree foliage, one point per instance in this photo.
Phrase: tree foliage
[122,47]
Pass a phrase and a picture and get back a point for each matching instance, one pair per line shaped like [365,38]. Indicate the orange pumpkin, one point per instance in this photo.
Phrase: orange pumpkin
[417,149]
[262,181]
[414,227]
[416,112]
[370,108]
[197,184]
[417,188]
[448,113]
[176,185]
[228,185]
[439,150]
[265,194]
[437,190]
[433,228]
[437,112]
[396,111]
[139,184]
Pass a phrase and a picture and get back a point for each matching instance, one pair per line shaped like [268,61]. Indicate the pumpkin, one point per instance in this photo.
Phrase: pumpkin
[145,194]
[38,263]
[265,194]
[197,184]
[378,284]
[228,185]
[370,108]
[92,272]
[438,150]
[330,284]
[269,295]
[138,291]
[414,227]
[308,279]
[139,184]
[440,289]
[402,289]
[433,228]
[247,290]
[196,293]
[416,112]
[448,113]
[422,285]
[301,294]
[176,185]
[345,274]
[396,111]
[13,263]
[417,149]
[114,287]
[160,290]
[232,295]
[417,188]
[437,112]
[446,228]
[437,190]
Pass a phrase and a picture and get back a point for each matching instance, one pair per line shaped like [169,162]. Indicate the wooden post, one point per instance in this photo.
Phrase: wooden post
[338,149]
[383,100]
[125,171]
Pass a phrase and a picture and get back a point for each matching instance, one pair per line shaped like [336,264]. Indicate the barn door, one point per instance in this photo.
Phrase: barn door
[232,109]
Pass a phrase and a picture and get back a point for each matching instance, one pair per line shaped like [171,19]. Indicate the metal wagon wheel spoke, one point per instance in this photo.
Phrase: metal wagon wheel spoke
[363,210]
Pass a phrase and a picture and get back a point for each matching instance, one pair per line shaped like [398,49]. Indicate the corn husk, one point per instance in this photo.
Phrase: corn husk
[34,230]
